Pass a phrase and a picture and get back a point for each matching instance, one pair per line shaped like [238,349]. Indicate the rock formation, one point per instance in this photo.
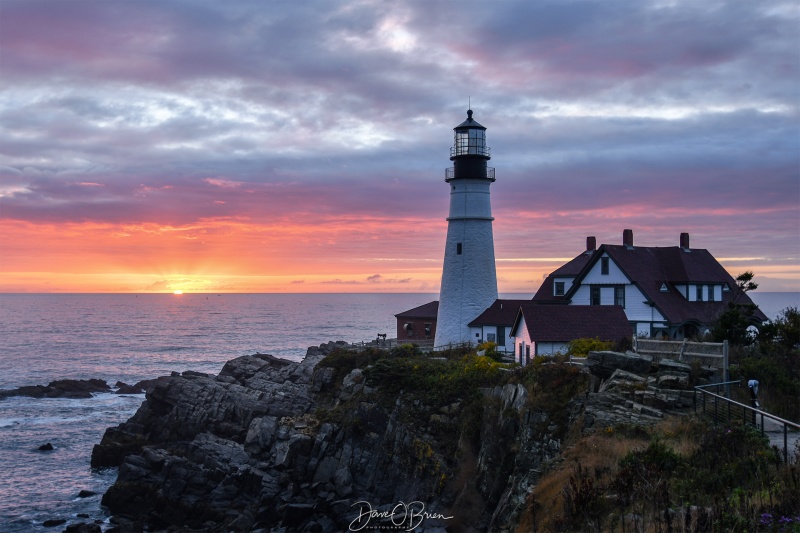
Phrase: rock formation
[270,443]
[63,388]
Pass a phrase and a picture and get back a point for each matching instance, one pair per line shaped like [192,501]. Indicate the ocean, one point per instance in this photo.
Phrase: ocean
[129,337]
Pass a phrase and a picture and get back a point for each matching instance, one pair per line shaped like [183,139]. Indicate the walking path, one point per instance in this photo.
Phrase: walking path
[774,430]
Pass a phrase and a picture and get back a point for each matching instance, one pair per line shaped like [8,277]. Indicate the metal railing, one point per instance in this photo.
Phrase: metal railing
[727,410]
[470,149]
[450,173]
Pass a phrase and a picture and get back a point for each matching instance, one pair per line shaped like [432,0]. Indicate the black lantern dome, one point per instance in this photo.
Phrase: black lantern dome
[469,153]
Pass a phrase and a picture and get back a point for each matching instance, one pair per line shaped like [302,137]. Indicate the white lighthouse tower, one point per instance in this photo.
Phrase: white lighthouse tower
[469,278]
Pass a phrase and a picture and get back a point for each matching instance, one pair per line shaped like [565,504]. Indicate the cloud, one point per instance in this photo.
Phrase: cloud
[310,118]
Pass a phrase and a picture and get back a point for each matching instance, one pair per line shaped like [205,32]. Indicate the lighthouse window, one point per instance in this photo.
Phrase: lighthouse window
[472,141]
[458,248]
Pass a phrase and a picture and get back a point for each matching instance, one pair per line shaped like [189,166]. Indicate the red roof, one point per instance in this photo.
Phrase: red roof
[563,323]
[500,313]
[651,267]
[428,310]
[567,270]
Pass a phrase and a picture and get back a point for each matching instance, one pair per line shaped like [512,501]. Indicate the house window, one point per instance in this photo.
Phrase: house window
[604,266]
[490,337]
[699,293]
[559,288]
[594,295]
[458,248]
[710,293]
[619,296]
[501,335]
[427,331]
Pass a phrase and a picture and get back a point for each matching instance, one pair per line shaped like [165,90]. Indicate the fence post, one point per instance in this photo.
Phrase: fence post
[683,349]
[725,374]
[785,444]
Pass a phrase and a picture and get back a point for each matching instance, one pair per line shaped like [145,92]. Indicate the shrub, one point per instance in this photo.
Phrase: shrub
[405,350]
[489,349]
[582,347]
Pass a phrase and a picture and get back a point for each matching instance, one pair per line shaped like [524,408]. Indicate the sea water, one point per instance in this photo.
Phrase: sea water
[128,337]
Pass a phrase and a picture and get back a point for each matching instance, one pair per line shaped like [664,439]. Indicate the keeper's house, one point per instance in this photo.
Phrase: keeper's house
[671,292]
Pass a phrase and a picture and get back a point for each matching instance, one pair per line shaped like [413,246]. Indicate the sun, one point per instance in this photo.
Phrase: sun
[178,292]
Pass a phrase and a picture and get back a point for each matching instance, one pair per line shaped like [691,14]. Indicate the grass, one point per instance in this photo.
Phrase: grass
[626,478]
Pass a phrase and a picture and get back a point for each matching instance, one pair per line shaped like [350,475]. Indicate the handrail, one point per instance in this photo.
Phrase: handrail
[745,408]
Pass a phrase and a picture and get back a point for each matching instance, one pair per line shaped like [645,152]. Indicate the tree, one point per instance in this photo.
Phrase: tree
[732,324]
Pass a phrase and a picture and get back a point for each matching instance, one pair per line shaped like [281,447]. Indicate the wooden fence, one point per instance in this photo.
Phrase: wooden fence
[711,354]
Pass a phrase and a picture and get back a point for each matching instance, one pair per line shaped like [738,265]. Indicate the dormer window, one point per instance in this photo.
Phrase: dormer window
[604,266]
[558,289]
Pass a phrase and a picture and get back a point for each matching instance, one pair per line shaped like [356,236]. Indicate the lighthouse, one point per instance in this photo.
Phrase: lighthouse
[469,277]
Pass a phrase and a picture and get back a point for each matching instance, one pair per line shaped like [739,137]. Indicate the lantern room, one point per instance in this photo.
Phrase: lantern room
[469,152]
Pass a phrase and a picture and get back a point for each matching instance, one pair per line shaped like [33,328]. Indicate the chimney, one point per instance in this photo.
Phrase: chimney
[591,244]
[685,241]
[627,238]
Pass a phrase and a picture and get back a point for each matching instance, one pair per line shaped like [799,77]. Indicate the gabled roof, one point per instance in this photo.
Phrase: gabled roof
[500,313]
[428,310]
[567,270]
[651,267]
[563,323]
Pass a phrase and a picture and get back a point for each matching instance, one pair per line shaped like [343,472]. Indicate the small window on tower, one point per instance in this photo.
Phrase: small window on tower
[458,248]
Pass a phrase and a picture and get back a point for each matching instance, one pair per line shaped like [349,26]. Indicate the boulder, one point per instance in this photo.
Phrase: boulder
[603,364]
[622,379]
[124,388]
[673,381]
[63,388]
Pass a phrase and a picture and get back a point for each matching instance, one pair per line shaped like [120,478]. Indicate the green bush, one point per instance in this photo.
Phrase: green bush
[582,347]
[490,350]
[405,350]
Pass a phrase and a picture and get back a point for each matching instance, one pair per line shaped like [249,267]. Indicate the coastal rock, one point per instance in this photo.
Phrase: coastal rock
[46,447]
[83,528]
[603,364]
[63,388]
[124,388]
[274,445]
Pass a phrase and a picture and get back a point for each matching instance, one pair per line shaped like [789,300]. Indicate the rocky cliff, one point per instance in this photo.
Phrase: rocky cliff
[345,441]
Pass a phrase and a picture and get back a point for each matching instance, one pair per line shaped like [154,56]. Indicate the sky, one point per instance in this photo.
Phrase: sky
[283,146]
